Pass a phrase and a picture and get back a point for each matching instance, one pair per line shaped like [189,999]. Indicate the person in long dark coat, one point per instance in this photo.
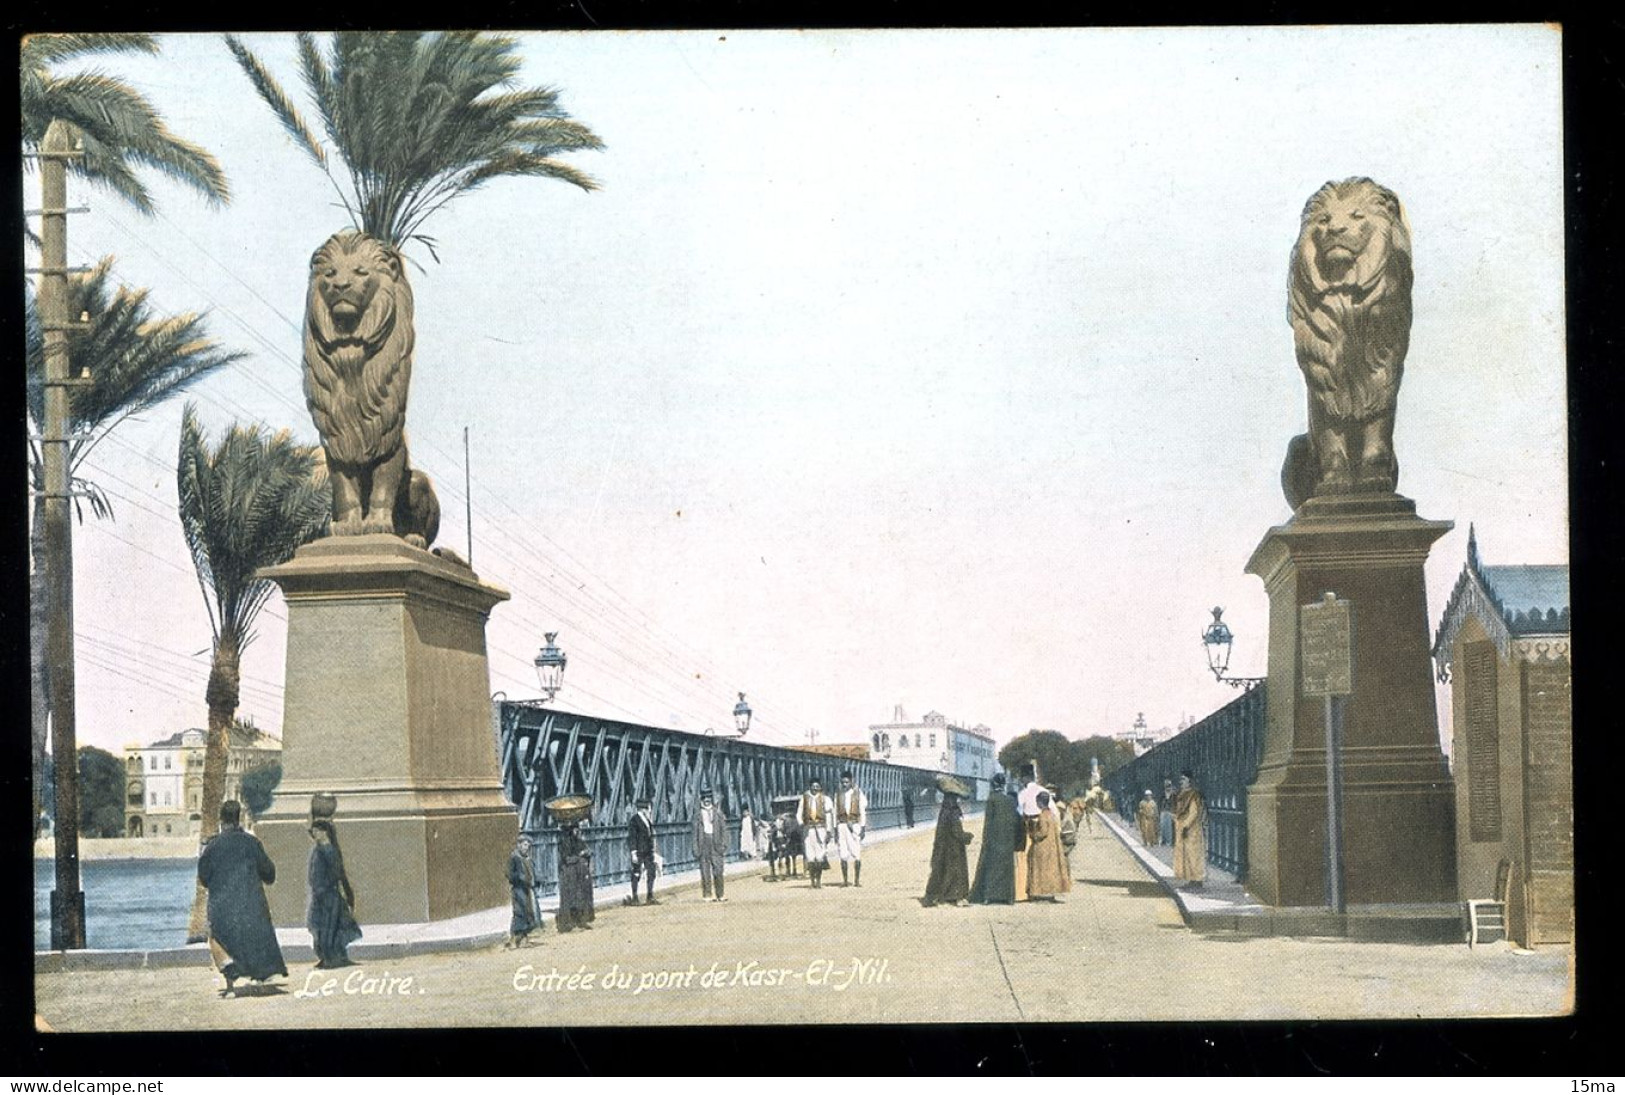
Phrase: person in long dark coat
[575,881]
[527,914]
[640,848]
[949,883]
[330,915]
[235,870]
[995,882]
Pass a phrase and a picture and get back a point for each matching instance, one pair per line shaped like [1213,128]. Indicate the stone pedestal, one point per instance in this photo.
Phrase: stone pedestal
[388,707]
[1398,806]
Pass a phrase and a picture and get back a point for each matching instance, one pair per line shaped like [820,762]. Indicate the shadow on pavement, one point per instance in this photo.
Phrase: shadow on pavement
[260,990]
[1133,887]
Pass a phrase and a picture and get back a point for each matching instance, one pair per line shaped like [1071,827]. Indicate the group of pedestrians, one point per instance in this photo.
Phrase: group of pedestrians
[822,830]
[234,869]
[1179,821]
[1029,837]
[573,859]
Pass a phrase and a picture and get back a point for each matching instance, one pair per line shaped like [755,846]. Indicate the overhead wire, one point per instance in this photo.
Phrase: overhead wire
[650,640]
[681,673]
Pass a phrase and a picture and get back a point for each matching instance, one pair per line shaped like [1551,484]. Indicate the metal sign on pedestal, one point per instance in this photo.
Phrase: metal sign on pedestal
[1326,664]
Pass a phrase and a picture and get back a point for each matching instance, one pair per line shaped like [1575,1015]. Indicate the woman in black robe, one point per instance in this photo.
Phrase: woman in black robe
[949,883]
[575,881]
[235,870]
[527,915]
[995,882]
[329,916]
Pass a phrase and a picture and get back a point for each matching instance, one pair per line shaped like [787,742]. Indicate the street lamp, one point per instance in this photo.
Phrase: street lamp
[742,715]
[550,668]
[1217,640]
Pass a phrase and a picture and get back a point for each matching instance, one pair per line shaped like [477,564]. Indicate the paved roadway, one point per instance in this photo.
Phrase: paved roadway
[1114,950]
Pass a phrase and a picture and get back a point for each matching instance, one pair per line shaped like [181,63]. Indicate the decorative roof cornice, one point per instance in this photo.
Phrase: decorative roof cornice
[1543,650]
[1474,597]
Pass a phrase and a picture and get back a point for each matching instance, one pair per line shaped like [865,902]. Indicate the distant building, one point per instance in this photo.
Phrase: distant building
[936,744]
[164,780]
[1144,739]
[845,750]
[1503,644]
[974,753]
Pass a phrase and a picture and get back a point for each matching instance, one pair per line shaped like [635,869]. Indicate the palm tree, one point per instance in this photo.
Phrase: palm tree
[141,359]
[419,119]
[244,504]
[121,131]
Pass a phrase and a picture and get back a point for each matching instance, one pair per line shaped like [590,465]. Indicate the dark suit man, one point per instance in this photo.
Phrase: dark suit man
[640,842]
[710,844]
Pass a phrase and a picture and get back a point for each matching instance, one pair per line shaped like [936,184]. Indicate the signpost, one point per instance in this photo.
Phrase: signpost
[1326,632]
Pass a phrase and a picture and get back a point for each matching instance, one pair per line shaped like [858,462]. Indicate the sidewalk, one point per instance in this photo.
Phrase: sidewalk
[787,955]
[1224,905]
[386,942]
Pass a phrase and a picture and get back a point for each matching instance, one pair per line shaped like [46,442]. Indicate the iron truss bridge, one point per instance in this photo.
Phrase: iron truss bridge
[1222,753]
[546,752]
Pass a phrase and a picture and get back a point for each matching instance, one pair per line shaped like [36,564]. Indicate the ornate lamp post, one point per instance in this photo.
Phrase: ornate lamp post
[742,716]
[550,668]
[1217,640]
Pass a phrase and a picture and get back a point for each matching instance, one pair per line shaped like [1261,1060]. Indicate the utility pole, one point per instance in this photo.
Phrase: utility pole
[468,499]
[67,900]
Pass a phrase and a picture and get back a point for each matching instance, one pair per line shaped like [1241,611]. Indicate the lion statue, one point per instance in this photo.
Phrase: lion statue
[1350,296]
[358,368]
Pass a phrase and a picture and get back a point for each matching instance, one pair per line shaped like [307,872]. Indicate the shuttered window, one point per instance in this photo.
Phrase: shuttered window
[1483,742]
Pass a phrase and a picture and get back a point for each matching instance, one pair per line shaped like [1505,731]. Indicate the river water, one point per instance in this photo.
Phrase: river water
[130,904]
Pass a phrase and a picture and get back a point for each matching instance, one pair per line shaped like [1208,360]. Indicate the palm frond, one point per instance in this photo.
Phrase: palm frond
[119,126]
[421,118]
[127,127]
[101,506]
[39,50]
[277,99]
[137,357]
[103,166]
[248,502]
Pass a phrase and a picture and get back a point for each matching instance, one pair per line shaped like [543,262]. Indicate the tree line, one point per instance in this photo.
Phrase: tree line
[1063,761]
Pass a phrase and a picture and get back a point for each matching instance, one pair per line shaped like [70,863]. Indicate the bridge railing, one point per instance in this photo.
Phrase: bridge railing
[1222,754]
[546,752]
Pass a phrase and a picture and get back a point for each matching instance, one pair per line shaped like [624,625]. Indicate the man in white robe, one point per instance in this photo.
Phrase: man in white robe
[851,822]
[815,813]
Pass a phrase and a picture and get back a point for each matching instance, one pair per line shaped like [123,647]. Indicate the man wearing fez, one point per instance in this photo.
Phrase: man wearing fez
[851,819]
[710,844]
[814,815]
[235,870]
[640,844]
[995,862]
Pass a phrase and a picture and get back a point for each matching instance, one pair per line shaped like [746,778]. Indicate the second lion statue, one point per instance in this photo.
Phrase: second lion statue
[1350,296]
[358,370]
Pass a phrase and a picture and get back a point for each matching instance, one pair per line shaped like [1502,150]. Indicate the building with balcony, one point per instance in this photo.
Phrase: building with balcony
[164,780]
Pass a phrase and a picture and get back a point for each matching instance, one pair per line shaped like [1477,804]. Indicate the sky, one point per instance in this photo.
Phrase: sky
[948,370]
